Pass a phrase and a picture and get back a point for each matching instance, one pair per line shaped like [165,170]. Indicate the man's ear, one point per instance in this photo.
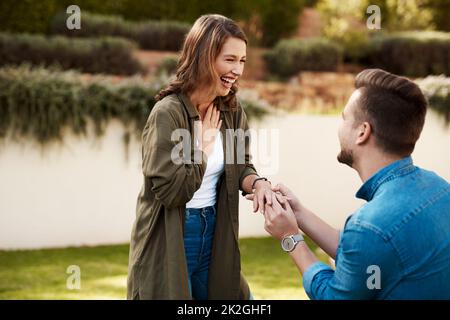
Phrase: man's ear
[364,132]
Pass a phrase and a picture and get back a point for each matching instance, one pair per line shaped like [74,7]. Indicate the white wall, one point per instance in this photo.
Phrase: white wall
[84,192]
[80,193]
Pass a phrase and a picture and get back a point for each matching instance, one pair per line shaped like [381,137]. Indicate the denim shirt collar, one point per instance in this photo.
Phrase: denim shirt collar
[391,171]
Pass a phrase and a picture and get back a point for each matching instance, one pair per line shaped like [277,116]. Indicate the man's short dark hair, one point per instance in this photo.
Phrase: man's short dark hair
[394,106]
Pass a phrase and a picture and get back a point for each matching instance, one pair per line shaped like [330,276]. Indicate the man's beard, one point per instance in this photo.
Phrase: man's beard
[346,157]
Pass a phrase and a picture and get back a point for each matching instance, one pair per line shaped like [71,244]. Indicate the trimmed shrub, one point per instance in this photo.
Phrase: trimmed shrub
[161,35]
[441,12]
[346,25]
[167,66]
[31,16]
[276,18]
[415,54]
[292,56]
[39,103]
[103,55]
[151,35]
[28,16]
[279,19]
[437,91]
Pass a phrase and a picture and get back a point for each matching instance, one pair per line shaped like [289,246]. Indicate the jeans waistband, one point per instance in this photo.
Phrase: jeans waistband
[204,211]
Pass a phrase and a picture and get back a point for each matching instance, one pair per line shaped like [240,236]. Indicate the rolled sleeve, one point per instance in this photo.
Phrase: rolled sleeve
[361,247]
[310,280]
[246,168]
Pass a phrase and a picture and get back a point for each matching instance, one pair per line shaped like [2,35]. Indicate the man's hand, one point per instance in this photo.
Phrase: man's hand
[289,196]
[283,194]
[315,228]
[312,225]
[280,219]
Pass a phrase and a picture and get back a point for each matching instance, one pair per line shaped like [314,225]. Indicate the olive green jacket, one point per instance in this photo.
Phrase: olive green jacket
[157,262]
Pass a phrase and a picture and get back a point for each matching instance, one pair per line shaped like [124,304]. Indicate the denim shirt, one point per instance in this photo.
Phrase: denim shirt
[396,246]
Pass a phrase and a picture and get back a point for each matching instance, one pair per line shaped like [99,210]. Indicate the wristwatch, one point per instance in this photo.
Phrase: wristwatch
[289,243]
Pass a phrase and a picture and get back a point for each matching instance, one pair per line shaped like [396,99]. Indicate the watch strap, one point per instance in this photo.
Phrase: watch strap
[297,238]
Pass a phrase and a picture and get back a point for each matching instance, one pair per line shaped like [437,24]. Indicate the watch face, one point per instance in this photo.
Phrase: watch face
[288,244]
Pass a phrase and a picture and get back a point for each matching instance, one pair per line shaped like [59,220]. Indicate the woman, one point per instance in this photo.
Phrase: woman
[185,238]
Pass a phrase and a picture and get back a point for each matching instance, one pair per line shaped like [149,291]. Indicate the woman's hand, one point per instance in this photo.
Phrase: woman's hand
[282,193]
[210,124]
[261,195]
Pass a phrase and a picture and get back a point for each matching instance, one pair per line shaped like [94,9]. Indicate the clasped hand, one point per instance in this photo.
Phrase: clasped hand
[279,211]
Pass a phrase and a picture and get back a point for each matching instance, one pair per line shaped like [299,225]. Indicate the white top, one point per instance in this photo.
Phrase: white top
[206,195]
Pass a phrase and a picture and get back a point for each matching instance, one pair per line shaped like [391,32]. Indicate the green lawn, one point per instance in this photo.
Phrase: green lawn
[41,274]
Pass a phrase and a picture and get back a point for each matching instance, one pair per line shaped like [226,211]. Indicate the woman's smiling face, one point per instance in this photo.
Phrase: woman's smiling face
[229,64]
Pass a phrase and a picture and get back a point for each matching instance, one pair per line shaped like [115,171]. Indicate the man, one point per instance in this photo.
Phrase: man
[397,245]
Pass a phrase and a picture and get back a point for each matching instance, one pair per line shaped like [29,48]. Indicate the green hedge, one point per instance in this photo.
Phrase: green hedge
[151,35]
[100,55]
[28,16]
[167,66]
[415,54]
[279,19]
[437,91]
[269,20]
[38,103]
[292,56]
[441,12]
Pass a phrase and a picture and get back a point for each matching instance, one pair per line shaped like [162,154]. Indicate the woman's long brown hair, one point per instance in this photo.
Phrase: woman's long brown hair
[200,49]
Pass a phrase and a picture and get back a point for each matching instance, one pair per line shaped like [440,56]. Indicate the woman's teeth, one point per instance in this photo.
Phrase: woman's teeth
[228,80]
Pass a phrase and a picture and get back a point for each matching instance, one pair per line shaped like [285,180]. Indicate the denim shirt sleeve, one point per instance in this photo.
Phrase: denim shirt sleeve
[361,248]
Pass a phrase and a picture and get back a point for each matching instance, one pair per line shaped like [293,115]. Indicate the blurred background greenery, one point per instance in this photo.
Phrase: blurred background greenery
[302,57]
[126,39]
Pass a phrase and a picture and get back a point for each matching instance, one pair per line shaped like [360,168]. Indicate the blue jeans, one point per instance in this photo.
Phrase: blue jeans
[198,237]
